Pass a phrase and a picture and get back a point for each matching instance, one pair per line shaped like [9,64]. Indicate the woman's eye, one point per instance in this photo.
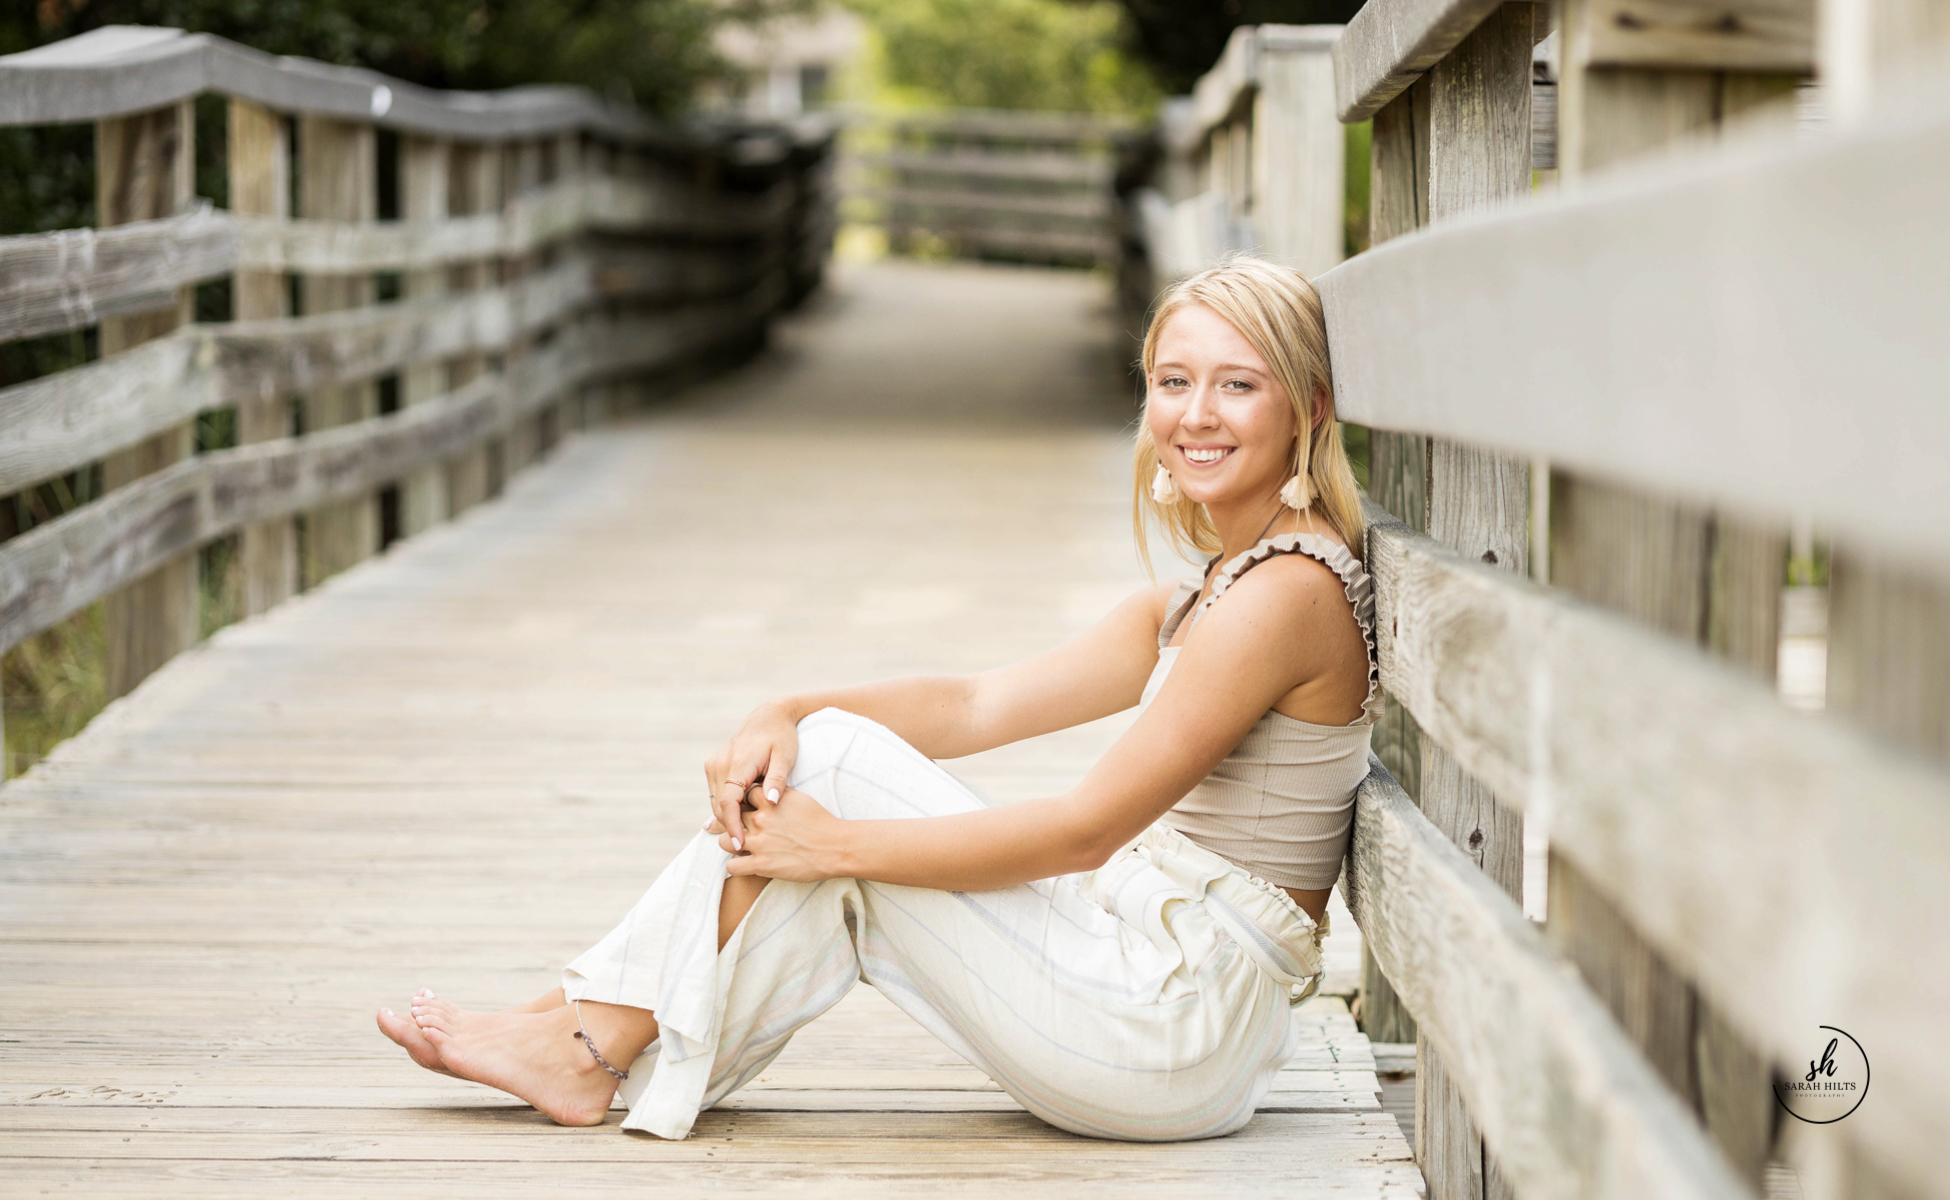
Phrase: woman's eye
[1172,381]
[1237,384]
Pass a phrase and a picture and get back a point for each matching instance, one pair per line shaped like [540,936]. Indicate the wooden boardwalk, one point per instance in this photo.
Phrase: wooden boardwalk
[456,765]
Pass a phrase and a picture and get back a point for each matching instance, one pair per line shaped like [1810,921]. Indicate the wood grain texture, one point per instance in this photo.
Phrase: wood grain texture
[145,171]
[73,278]
[124,69]
[423,197]
[1502,1013]
[258,162]
[1688,796]
[1889,650]
[1299,154]
[1391,43]
[1750,35]
[1398,475]
[59,421]
[338,179]
[66,563]
[1538,362]
[1478,158]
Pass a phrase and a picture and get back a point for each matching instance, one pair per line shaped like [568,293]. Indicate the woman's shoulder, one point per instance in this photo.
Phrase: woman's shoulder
[1294,587]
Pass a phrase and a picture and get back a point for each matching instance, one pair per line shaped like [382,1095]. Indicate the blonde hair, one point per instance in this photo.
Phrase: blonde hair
[1278,313]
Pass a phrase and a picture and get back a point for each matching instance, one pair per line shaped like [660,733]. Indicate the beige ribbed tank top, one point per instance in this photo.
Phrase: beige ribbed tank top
[1282,803]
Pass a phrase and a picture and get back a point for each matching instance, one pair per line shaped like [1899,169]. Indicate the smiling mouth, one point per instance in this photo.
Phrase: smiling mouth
[1205,457]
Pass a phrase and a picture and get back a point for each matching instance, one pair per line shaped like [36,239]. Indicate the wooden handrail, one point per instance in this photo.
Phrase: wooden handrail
[1592,336]
[56,568]
[1389,44]
[72,278]
[1682,788]
[1571,1106]
[123,69]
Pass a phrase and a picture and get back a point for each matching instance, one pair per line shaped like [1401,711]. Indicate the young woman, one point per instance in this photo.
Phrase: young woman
[1121,958]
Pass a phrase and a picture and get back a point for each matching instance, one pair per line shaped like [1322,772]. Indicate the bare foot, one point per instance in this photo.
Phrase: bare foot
[406,1034]
[405,1031]
[533,1056]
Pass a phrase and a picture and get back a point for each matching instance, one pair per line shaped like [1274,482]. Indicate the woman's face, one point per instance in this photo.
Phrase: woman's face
[1222,423]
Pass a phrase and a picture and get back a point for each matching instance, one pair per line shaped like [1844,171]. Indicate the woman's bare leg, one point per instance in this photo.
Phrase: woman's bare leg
[533,1053]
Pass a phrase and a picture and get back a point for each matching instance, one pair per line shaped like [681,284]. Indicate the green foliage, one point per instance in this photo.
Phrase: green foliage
[53,684]
[1038,54]
[1360,140]
[1181,39]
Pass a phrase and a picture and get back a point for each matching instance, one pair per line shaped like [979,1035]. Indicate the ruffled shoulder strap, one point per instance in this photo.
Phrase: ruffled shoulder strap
[1180,604]
[1354,581]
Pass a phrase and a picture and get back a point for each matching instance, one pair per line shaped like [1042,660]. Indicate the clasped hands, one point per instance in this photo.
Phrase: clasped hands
[792,837]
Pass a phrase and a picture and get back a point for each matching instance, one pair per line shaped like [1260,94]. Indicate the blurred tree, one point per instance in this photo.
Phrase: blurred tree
[1067,55]
[1181,39]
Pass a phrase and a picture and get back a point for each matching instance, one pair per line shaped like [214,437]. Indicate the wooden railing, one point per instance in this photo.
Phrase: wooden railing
[551,251]
[1021,185]
[1593,414]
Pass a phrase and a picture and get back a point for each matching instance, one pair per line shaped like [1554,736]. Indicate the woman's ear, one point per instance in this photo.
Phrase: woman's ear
[1320,406]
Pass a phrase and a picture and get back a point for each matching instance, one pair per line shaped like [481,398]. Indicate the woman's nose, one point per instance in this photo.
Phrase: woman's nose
[1202,411]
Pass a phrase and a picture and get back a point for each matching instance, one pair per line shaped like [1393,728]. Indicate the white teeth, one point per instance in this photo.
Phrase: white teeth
[1205,456]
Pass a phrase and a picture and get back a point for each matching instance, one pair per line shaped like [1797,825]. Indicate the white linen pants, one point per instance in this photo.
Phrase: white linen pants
[1148,1000]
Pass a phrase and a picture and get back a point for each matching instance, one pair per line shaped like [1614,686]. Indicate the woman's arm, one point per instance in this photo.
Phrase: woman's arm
[1244,655]
[1099,672]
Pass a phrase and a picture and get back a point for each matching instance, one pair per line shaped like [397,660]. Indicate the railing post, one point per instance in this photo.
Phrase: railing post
[423,163]
[145,169]
[259,164]
[521,169]
[474,186]
[1479,503]
[1299,150]
[338,179]
[1702,577]
[1398,478]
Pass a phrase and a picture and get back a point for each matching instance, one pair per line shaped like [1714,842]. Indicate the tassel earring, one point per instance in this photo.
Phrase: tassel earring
[1298,493]
[1164,489]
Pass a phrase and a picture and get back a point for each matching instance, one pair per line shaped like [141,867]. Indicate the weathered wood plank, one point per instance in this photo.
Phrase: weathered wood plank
[1299,149]
[1537,360]
[1039,167]
[57,567]
[258,149]
[1391,43]
[145,171]
[124,69]
[61,420]
[72,278]
[1740,35]
[1692,799]
[75,277]
[1504,1014]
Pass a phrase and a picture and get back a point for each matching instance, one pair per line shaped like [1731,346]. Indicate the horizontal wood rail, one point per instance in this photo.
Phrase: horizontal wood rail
[71,278]
[58,567]
[985,182]
[1052,167]
[1571,1105]
[1685,791]
[125,69]
[1607,296]
[1389,44]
